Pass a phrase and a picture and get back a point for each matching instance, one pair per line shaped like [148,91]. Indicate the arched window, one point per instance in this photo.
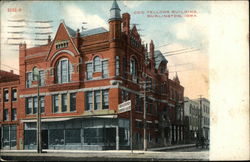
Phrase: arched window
[97,64]
[35,70]
[64,70]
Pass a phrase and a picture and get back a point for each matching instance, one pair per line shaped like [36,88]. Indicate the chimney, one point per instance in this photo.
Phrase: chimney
[152,48]
[126,23]
[49,39]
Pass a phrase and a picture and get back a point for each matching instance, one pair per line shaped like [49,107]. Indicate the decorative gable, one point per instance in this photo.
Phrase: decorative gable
[63,42]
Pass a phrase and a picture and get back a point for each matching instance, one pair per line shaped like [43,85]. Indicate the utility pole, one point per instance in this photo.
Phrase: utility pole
[131,130]
[39,137]
[144,118]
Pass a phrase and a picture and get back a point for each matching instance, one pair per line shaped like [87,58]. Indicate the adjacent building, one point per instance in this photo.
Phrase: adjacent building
[83,77]
[9,107]
[197,119]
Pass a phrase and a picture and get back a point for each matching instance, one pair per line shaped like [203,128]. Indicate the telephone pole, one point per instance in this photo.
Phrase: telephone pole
[39,137]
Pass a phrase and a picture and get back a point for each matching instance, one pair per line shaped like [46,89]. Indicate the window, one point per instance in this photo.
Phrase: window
[6,95]
[97,100]
[13,114]
[35,105]
[28,105]
[14,95]
[138,103]
[29,80]
[117,65]
[64,71]
[34,76]
[125,95]
[41,78]
[89,71]
[64,102]
[97,64]
[105,97]
[5,115]
[105,69]
[42,103]
[72,136]
[89,102]
[56,136]
[73,102]
[133,70]
[162,69]
[138,124]
[55,103]
[62,44]
[124,66]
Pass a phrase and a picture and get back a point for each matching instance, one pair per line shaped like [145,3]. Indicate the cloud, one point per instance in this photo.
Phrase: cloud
[131,4]
[193,29]
[74,17]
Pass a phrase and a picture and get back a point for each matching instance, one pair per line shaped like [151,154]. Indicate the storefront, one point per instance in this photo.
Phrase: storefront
[8,137]
[79,134]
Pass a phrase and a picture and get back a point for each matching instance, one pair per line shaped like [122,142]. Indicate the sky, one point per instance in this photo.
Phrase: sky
[189,35]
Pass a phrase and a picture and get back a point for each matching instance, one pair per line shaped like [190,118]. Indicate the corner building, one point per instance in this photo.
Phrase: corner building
[84,76]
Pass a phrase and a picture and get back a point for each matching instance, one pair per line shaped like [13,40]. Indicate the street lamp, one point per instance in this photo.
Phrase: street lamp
[39,137]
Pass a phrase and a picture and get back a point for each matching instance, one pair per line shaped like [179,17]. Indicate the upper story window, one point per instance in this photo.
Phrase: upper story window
[29,79]
[5,115]
[117,65]
[41,78]
[35,77]
[62,44]
[64,71]
[6,95]
[133,69]
[14,94]
[97,64]
[13,114]
[105,69]
[89,71]
[162,69]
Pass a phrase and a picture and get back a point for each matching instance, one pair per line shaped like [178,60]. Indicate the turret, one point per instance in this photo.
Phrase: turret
[115,22]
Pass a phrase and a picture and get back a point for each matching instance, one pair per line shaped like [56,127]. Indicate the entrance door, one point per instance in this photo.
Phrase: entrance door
[45,143]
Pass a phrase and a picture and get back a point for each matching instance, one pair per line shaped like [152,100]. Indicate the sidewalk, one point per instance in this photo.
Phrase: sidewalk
[173,147]
[150,150]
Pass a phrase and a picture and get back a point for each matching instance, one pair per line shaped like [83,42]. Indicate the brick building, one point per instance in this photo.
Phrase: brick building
[9,85]
[84,76]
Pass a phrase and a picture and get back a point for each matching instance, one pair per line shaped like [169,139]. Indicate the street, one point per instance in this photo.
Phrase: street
[125,155]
